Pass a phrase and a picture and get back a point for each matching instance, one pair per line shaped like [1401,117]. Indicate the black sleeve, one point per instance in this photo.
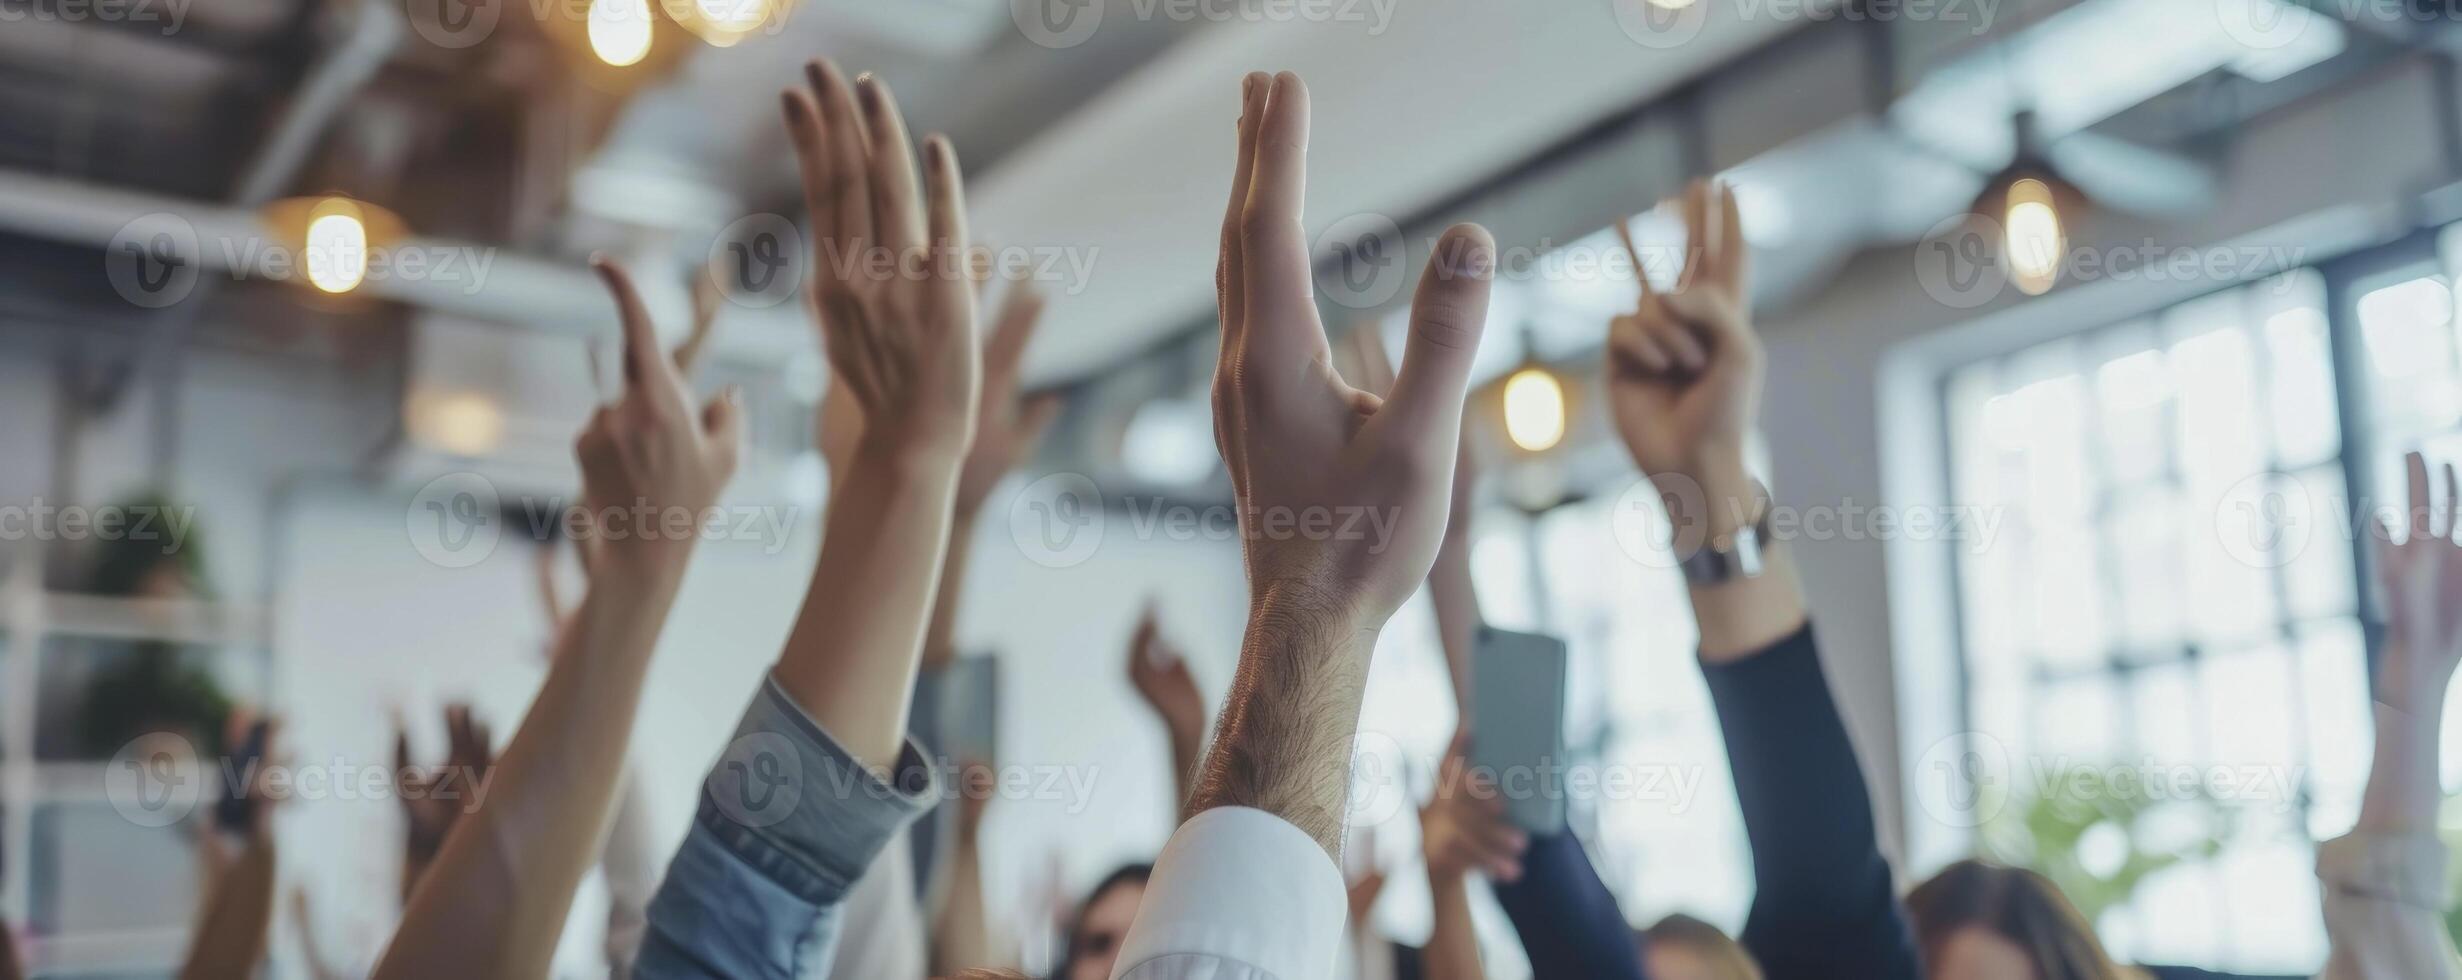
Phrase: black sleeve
[1568,921]
[1825,905]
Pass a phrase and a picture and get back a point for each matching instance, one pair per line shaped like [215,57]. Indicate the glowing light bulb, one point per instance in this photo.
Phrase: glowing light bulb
[337,246]
[1534,409]
[464,423]
[620,31]
[2035,243]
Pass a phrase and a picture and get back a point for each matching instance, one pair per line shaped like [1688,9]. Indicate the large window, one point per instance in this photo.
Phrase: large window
[2163,643]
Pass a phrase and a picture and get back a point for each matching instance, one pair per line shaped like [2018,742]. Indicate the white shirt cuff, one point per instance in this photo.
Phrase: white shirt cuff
[1238,887]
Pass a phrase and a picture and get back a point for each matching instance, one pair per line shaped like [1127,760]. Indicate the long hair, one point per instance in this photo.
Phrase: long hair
[2014,904]
[1726,957]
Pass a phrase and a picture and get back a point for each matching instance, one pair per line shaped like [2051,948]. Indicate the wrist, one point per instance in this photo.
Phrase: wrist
[905,462]
[1717,499]
[1296,615]
[1715,464]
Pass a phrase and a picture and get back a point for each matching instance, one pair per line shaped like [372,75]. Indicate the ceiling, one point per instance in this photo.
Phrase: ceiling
[1107,153]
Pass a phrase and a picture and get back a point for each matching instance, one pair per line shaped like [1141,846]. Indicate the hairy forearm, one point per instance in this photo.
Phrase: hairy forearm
[2404,781]
[1284,742]
[1453,945]
[1186,748]
[1457,611]
[940,639]
[495,899]
[850,660]
[231,939]
[1743,616]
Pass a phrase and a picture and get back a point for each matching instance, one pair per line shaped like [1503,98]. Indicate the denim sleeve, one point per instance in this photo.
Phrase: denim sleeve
[788,821]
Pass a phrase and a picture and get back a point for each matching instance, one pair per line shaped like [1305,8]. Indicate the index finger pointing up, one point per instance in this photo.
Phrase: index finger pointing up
[646,367]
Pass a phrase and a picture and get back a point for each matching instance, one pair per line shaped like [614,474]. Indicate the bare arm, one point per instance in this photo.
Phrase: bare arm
[2421,580]
[230,941]
[962,936]
[236,926]
[496,898]
[1461,831]
[1452,952]
[903,344]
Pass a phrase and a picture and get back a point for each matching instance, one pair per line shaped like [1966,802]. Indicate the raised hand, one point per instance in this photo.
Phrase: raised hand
[1684,368]
[651,452]
[434,799]
[1303,446]
[2420,579]
[1463,829]
[1010,423]
[1160,674]
[895,298]
[890,285]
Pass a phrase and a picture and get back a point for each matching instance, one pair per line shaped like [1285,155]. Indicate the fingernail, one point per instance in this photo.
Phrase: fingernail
[735,395]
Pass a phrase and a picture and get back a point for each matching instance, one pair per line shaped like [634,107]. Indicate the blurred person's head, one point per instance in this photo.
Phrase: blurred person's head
[1094,936]
[1680,947]
[1982,921]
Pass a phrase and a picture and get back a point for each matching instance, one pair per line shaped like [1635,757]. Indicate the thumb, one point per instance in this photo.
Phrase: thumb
[1448,315]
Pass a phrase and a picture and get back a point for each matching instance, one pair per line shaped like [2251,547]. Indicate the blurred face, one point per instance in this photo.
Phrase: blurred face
[1975,953]
[1105,925]
[1670,961]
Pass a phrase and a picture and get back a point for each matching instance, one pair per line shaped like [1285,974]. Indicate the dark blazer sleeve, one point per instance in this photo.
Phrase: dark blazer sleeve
[1825,905]
[1568,921]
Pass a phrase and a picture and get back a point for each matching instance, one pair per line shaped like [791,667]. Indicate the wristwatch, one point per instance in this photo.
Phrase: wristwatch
[1732,556]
